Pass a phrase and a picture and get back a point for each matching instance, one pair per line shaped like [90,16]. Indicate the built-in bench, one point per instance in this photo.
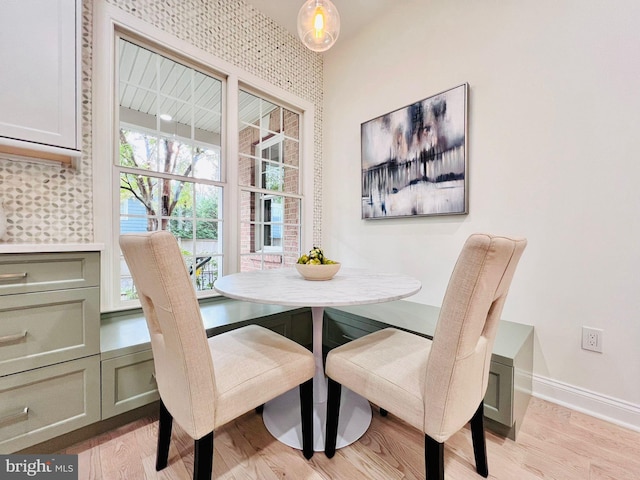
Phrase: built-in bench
[127,361]
[128,387]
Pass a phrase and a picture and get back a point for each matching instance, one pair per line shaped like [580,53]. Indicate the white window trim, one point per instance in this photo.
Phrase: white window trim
[108,19]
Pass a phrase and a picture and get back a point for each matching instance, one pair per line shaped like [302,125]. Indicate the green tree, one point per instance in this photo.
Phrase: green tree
[165,155]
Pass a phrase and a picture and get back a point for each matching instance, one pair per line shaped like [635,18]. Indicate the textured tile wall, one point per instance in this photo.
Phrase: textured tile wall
[47,203]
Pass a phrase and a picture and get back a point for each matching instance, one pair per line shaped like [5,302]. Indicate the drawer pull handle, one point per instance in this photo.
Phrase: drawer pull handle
[10,277]
[7,339]
[16,417]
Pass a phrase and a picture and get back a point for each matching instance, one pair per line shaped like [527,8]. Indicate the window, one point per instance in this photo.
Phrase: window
[269,180]
[186,142]
[169,158]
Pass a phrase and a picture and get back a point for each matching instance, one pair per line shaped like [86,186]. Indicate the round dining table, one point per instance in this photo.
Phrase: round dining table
[285,286]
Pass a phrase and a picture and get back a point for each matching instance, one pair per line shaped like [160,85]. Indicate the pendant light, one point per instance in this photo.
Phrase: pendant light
[318,24]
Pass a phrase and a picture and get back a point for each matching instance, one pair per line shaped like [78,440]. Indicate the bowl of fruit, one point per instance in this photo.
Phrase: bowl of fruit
[315,266]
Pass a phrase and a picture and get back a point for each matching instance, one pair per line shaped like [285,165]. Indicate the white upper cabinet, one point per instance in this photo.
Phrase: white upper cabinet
[39,76]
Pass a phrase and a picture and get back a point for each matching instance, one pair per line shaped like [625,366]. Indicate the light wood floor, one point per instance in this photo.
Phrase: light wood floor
[554,443]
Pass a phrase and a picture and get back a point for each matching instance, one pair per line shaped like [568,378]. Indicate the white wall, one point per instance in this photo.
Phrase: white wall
[554,112]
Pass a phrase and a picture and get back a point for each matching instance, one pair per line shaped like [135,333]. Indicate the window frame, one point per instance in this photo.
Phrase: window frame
[111,22]
[193,181]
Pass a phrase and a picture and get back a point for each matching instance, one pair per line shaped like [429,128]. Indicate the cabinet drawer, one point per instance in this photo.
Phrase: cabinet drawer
[128,382]
[38,329]
[39,272]
[498,401]
[47,402]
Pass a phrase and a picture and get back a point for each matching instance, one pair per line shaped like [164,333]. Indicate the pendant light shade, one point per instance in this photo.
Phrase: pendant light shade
[318,24]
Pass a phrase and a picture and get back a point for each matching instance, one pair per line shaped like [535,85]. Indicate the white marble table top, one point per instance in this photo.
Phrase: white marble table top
[285,286]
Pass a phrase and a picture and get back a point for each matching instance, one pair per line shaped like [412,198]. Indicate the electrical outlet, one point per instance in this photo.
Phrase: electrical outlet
[592,339]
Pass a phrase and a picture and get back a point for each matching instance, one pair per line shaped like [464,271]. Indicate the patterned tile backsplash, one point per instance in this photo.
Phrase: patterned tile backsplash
[50,204]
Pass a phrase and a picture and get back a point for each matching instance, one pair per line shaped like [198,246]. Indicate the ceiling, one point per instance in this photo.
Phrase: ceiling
[354,14]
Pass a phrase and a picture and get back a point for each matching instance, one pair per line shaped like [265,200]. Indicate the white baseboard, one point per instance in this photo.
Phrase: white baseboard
[591,403]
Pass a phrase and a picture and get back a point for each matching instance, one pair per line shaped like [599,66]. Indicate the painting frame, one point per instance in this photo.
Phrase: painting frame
[414,160]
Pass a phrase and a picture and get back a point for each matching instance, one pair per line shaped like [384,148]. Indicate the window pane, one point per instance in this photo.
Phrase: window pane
[291,244]
[260,262]
[291,121]
[137,66]
[207,92]
[260,113]
[272,176]
[138,149]
[175,79]
[207,126]
[138,106]
[291,155]
[174,157]
[247,171]
[206,163]
[175,117]
[204,267]
[290,180]
[208,203]
[292,211]
[270,224]
[247,222]
[249,109]
[271,120]
[139,199]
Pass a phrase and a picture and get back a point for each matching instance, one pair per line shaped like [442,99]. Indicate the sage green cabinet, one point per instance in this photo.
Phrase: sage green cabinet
[43,403]
[41,272]
[49,346]
[38,329]
[128,382]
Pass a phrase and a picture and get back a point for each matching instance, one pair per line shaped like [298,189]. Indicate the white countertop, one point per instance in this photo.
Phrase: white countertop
[50,247]
[285,286]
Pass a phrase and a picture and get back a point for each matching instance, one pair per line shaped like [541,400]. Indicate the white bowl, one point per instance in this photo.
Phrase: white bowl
[318,272]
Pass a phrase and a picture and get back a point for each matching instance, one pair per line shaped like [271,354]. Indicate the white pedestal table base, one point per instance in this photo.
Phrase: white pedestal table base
[282,418]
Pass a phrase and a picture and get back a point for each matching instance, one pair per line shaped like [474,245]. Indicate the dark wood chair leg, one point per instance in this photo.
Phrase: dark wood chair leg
[165,422]
[203,458]
[333,414]
[306,414]
[479,442]
[383,412]
[433,458]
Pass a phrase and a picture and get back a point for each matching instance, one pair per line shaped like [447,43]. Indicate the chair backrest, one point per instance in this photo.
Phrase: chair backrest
[458,368]
[184,369]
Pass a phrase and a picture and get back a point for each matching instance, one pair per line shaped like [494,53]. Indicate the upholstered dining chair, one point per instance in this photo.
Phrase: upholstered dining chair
[205,383]
[435,386]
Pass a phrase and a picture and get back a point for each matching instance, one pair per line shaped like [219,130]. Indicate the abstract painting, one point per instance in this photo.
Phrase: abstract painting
[414,159]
